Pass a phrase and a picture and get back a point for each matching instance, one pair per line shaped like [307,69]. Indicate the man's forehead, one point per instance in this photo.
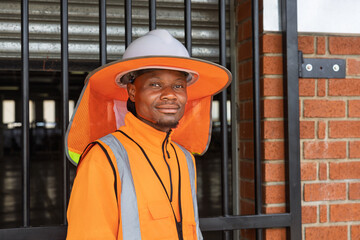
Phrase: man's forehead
[154,72]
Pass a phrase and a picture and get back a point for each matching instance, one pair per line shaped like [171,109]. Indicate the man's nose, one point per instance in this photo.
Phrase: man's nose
[168,93]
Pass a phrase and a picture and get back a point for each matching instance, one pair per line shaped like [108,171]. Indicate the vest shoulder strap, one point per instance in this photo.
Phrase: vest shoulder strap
[128,201]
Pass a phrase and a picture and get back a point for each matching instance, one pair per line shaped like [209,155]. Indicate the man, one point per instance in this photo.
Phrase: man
[139,182]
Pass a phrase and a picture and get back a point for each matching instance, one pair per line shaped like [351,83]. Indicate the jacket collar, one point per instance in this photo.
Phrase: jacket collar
[144,133]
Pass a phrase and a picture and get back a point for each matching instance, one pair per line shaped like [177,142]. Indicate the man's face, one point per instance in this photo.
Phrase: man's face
[160,97]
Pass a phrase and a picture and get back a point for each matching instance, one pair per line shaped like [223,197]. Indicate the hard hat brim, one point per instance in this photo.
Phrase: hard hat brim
[212,78]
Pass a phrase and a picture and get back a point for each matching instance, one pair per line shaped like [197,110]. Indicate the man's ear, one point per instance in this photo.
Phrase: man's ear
[131,91]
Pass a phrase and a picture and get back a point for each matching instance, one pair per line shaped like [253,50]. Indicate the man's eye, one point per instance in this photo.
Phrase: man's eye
[154,84]
[179,86]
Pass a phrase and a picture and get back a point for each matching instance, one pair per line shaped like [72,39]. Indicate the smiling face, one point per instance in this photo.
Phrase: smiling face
[160,97]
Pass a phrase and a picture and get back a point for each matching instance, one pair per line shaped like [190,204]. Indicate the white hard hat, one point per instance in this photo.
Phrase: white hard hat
[157,42]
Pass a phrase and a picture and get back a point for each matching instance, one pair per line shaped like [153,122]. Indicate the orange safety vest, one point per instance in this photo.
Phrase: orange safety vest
[148,202]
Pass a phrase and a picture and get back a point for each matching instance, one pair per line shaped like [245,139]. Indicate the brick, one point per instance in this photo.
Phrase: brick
[306,44]
[321,87]
[344,129]
[354,149]
[274,194]
[321,131]
[245,71]
[326,233]
[324,191]
[323,150]
[344,87]
[246,170]
[248,234]
[272,87]
[247,208]
[308,171]
[246,130]
[354,191]
[246,150]
[247,30]
[320,45]
[245,91]
[323,171]
[344,45]
[353,67]
[244,30]
[354,108]
[273,172]
[345,212]
[272,43]
[271,210]
[273,108]
[246,110]
[247,190]
[273,129]
[355,232]
[248,72]
[323,213]
[344,170]
[307,129]
[308,214]
[245,51]
[240,30]
[272,65]
[244,10]
[306,87]
[324,108]
[275,234]
[273,150]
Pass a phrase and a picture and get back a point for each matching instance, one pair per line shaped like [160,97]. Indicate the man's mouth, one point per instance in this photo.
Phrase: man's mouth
[168,108]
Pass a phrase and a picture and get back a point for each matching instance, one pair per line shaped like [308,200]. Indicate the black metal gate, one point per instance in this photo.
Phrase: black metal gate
[227,222]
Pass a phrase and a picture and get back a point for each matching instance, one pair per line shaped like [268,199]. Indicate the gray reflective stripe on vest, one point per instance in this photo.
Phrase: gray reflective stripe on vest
[129,209]
[191,168]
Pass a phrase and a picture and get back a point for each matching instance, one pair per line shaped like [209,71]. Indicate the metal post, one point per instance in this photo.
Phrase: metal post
[65,101]
[223,116]
[234,116]
[102,27]
[291,63]
[128,23]
[152,14]
[187,14]
[257,115]
[25,110]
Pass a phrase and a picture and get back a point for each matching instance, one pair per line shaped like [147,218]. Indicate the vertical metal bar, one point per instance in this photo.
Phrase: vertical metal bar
[152,14]
[25,110]
[187,14]
[289,27]
[128,23]
[223,116]
[234,115]
[257,115]
[102,27]
[65,101]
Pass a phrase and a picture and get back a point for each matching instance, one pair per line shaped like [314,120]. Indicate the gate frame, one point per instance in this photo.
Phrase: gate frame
[259,221]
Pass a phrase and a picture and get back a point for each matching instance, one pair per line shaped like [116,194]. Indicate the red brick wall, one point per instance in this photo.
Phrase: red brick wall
[246,150]
[332,106]
[329,134]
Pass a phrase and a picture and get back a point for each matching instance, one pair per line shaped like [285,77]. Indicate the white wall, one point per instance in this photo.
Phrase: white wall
[318,16]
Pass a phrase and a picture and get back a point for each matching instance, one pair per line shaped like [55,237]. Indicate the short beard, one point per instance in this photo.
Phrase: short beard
[167,125]
[159,124]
